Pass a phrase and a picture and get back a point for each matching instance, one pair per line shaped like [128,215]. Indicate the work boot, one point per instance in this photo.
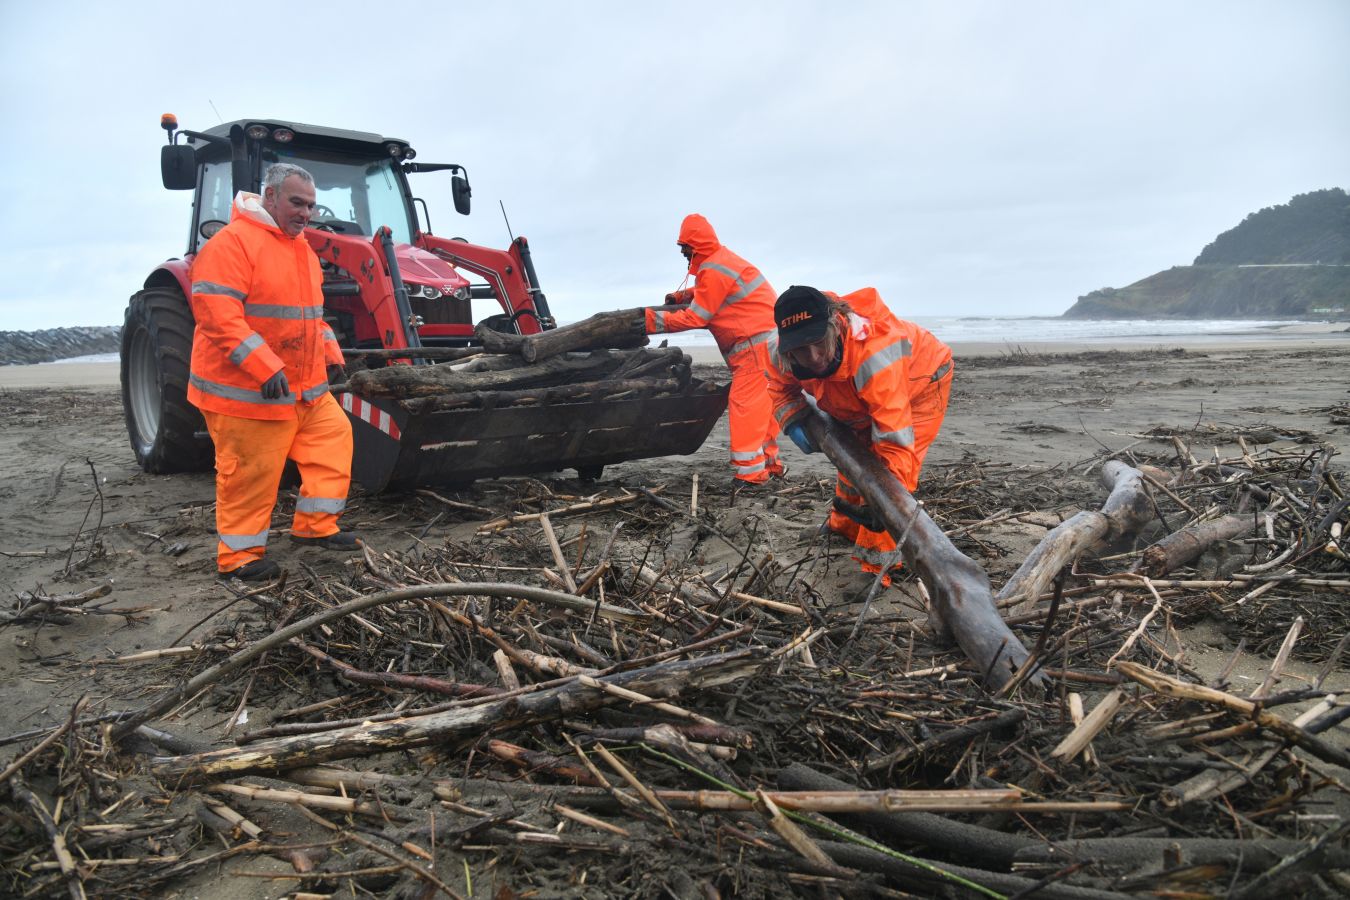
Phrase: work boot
[261,569]
[341,541]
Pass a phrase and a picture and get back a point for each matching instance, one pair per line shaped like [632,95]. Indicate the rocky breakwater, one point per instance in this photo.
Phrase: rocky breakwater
[18,348]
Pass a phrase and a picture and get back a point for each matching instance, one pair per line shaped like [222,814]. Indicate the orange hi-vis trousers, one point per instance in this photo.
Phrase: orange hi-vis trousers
[250,457]
[754,430]
[871,548]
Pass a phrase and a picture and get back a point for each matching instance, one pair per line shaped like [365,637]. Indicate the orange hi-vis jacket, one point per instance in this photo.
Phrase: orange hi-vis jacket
[886,363]
[258,301]
[731,298]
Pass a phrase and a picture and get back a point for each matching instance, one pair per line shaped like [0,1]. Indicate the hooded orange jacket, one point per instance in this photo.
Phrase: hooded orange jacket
[258,302]
[732,299]
[886,362]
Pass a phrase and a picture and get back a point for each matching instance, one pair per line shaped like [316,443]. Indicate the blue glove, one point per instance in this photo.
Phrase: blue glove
[276,387]
[797,431]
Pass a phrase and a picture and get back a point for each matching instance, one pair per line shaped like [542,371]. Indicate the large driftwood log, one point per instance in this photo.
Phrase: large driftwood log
[977,845]
[619,328]
[1126,508]
[543,396]
[1180,547]
[665,679]
[963,601]
[1126,854]
[423,381]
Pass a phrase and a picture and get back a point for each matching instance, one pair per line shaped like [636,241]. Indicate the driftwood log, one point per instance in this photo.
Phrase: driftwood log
[1180,547]
[1126,508]
[619,328]
[664,679]
[422,381]
[502,373]
[963,602]
[588,390]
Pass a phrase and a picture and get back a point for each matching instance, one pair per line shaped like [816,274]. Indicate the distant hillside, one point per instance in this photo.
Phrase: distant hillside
[1289,260]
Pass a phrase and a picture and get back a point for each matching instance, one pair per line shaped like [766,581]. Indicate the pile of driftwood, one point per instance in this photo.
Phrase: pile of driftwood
[645,691]
[602,357]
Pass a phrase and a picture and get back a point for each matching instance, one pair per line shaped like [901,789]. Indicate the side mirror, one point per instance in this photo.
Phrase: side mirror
[460,190]
[178,167]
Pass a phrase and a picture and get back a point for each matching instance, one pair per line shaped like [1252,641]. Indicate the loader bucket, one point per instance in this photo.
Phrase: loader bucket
[396,449]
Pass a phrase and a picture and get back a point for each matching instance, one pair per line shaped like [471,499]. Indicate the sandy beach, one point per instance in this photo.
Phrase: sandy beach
[78,513]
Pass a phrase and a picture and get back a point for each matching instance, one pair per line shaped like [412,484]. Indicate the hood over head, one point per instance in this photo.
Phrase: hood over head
[698,234]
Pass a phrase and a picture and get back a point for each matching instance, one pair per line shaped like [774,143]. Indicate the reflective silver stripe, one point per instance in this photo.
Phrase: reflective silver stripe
[844,493]
[879,361]
[244,541]
[748,470]
[867,554]
[659,321]
[742,289]
[746,289]
[762,337]
[699,311]
[785,413]
[210,287]
[941,370]
[317,391]
[320,504]
[279,311]
[747,457]
[904,437]
[718,268]
[246,346]
[243,395]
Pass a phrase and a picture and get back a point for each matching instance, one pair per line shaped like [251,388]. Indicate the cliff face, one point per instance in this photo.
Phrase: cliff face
[1225,292]
[1286,260]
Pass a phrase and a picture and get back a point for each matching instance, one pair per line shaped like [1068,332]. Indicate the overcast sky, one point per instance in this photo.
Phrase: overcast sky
[965,158]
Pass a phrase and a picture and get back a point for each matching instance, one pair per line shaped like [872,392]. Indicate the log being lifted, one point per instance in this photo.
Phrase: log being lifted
[619,328]
[425,381]
[963,603]
[1126,508]
[469,722]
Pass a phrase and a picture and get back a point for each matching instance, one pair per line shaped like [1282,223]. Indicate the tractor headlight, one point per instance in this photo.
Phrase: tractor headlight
[462,293]
[256,132]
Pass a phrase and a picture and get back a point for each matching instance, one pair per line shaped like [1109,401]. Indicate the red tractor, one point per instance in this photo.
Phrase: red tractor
[389,283]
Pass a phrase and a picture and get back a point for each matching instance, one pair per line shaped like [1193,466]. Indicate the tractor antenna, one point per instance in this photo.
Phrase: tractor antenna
[508,222]
[216,111]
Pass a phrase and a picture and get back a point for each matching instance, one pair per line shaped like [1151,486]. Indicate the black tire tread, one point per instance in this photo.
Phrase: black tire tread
[164,313]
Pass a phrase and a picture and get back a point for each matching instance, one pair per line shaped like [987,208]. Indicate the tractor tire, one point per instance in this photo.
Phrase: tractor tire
[167,432]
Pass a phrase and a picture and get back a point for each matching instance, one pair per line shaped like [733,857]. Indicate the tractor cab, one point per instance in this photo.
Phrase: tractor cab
[363,197]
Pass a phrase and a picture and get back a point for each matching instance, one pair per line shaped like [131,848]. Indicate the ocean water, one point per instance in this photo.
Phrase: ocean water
[1018,330]
[1015,331]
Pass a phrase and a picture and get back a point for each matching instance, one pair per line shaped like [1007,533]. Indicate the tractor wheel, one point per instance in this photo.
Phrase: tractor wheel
[167,432]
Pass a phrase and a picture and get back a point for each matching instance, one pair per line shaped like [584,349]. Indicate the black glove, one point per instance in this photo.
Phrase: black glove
[276,387]
[336,374]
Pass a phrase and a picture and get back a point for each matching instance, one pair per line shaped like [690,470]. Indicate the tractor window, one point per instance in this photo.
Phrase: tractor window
[217,197]
[354,196]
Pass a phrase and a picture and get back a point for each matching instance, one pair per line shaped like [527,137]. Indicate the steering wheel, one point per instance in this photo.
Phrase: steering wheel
[323,212]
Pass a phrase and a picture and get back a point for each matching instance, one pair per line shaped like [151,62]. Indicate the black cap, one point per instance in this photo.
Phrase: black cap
[803,316]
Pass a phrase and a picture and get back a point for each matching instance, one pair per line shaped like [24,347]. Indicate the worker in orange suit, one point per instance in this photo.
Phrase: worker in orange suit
[887,379]
[261,354]
[734,301]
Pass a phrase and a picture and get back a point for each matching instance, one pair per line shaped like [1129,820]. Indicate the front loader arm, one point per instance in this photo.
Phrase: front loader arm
[363,259]
[509,272]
